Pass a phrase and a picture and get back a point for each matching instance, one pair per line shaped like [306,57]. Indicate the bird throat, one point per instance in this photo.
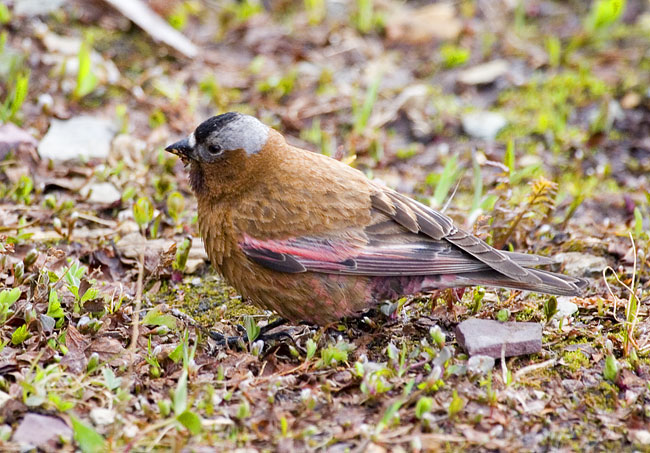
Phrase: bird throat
[197,178]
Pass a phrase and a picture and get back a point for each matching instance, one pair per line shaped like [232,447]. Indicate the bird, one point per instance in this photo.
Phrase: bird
[314,240]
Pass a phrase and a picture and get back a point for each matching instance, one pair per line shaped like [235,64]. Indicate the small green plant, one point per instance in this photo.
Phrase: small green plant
[143,212]
[310,346]
[503,315]
[554,51]
[453,56]
[175,206]
[423,406]
[456,405]
[316,10]
[550,308]
[278,86]
[444,181]
[334,354]
[23,190]
[252,329]
[183,414]
[54,309]
[7,299]
[155,370]
[73,278]
[5,14]
[182,252]
[89,440]
[604,13]
[610,372]
[157,317]
[20,335]
[361,114]
[364,16]
[86,79]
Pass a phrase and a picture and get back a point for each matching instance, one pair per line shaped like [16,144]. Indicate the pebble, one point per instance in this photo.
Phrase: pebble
[487,337]
[79,138]
[483,125]
[581,264]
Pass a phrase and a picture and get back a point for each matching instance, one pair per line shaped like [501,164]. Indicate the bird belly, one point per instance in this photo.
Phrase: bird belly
[313,297]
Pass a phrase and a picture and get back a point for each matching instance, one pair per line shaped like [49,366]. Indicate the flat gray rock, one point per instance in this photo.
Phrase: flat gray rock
[101,193]
[487,337]
[483,73]
[483,125]
[29,8]
[565,307]
[41,430]
[581,264]
[79,138]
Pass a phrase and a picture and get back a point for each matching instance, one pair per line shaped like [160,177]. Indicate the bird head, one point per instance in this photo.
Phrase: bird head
[220,148]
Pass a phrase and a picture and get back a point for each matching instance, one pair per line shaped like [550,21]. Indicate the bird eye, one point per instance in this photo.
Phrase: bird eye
[214,149]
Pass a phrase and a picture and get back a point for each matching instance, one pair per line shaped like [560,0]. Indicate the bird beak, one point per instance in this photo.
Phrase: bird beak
[181,148]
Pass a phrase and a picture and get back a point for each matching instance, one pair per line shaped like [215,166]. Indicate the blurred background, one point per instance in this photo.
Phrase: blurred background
[527,121]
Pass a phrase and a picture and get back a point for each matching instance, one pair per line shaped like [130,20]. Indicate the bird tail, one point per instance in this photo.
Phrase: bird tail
[551,283]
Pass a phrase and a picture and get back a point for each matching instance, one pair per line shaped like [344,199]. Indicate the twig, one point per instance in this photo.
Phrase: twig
[19,227]
[135,333]
[92,218]
[534,367]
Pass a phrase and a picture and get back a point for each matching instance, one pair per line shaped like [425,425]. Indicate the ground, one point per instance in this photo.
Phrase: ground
[527,122]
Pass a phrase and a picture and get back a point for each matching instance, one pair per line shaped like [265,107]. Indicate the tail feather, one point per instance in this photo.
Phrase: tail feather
[551,283]
[529,260]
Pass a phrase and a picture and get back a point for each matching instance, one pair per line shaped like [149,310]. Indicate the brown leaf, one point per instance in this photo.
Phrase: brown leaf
[109,349]
[75,360]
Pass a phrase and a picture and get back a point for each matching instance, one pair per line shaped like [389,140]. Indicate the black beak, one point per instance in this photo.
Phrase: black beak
[181,148]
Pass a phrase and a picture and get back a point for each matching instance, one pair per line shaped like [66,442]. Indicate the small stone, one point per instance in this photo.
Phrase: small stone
[79,138]
[565,307]
[487,337]
[480,364]
[101,193]
[102,416]
[581,264]
[4,397]
[193,265]
[484,73]
[640,436]
[30,8]
[41,431]
[47,323]
[483,125]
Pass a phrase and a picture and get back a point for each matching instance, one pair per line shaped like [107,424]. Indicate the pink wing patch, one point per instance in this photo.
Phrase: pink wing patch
[389,256]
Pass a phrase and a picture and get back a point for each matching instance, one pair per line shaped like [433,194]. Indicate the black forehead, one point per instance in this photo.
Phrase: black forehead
[213,124]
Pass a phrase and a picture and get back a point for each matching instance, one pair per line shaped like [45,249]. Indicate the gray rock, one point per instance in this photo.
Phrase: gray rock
[565,307]
[581,264]
[480,364]
[79,138]
[101,193]
[29,8]
[483,73]
[47,323]
[487,337]
[483,125]
[41,431]
[102,416]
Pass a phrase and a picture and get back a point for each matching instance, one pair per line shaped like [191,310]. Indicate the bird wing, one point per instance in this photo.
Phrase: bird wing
[404,237]
[389,256]
[418,218]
